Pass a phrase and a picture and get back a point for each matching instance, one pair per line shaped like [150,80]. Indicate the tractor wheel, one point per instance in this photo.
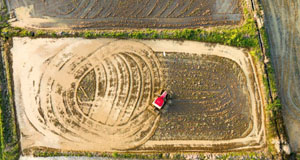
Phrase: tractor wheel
[156,111]
[168,96]
[169,101]
[165,108]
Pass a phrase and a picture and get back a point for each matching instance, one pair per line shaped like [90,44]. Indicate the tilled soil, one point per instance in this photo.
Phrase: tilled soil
[96,95]
[112,14]
[210,99]
[283,25]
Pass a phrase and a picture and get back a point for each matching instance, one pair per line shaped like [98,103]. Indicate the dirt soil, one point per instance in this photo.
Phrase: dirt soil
[104,14]
[96,95]
[283,25]
[210,99]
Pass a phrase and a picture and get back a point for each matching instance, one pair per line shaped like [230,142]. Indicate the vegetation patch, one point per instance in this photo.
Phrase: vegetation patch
[9,134]
[9,137]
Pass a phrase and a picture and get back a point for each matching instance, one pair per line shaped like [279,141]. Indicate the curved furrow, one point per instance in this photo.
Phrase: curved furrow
[141,9]
[188,9]
[115,107]
[105,96]
[129,91]
[105,7]
[78,11]
[145,94]
[136,88]
[181,7]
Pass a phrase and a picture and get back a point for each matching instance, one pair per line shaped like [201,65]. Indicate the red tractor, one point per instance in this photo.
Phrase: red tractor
[161,100]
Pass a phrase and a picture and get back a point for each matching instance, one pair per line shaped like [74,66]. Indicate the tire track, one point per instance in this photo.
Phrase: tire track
[115,120]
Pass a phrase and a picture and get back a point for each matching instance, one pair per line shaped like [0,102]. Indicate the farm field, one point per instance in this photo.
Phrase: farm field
[105,105]
[283,25]
[120,14]
[79,78]
[205,90]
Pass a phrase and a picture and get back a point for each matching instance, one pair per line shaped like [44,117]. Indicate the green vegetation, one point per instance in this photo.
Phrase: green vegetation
[51,153]
[177,156]
[245,36]
[3,14]
[270,69]
[8,129]
[275,126]
[9,138]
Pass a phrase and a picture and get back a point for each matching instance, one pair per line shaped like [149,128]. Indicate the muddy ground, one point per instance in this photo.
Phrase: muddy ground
[283,26]
[96,95]
[210,99]
[107,14]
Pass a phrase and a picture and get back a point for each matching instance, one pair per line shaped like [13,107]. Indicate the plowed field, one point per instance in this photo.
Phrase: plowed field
[111,14]
[96,95]
[210,99]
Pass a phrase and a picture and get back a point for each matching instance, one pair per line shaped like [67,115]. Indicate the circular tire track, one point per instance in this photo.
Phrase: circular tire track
[103,97]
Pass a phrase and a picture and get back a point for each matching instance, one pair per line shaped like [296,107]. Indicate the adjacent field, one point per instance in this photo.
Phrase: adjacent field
[104,14]
[283,25]
[98,98]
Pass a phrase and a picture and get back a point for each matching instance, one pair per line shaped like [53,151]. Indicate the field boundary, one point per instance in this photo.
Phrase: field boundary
[9,140]
[10,134]
[275,125]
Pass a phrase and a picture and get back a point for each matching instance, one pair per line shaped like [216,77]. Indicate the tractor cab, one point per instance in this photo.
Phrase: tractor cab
[160,101]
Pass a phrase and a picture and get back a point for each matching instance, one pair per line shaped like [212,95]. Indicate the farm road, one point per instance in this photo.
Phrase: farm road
[283,26]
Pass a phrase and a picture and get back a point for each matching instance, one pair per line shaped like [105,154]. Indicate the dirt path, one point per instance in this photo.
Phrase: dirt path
[283,25]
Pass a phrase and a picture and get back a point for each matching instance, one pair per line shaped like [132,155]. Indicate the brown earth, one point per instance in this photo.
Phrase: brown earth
[96,95]
[107,14]
[210,99]
[283,26]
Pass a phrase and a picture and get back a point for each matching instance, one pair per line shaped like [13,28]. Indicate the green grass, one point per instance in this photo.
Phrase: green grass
[9,136]
[177,156]
[3,15]
[9,139]
[8,130]
[274,109]
[273,85]
[244,36]
[51,153]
